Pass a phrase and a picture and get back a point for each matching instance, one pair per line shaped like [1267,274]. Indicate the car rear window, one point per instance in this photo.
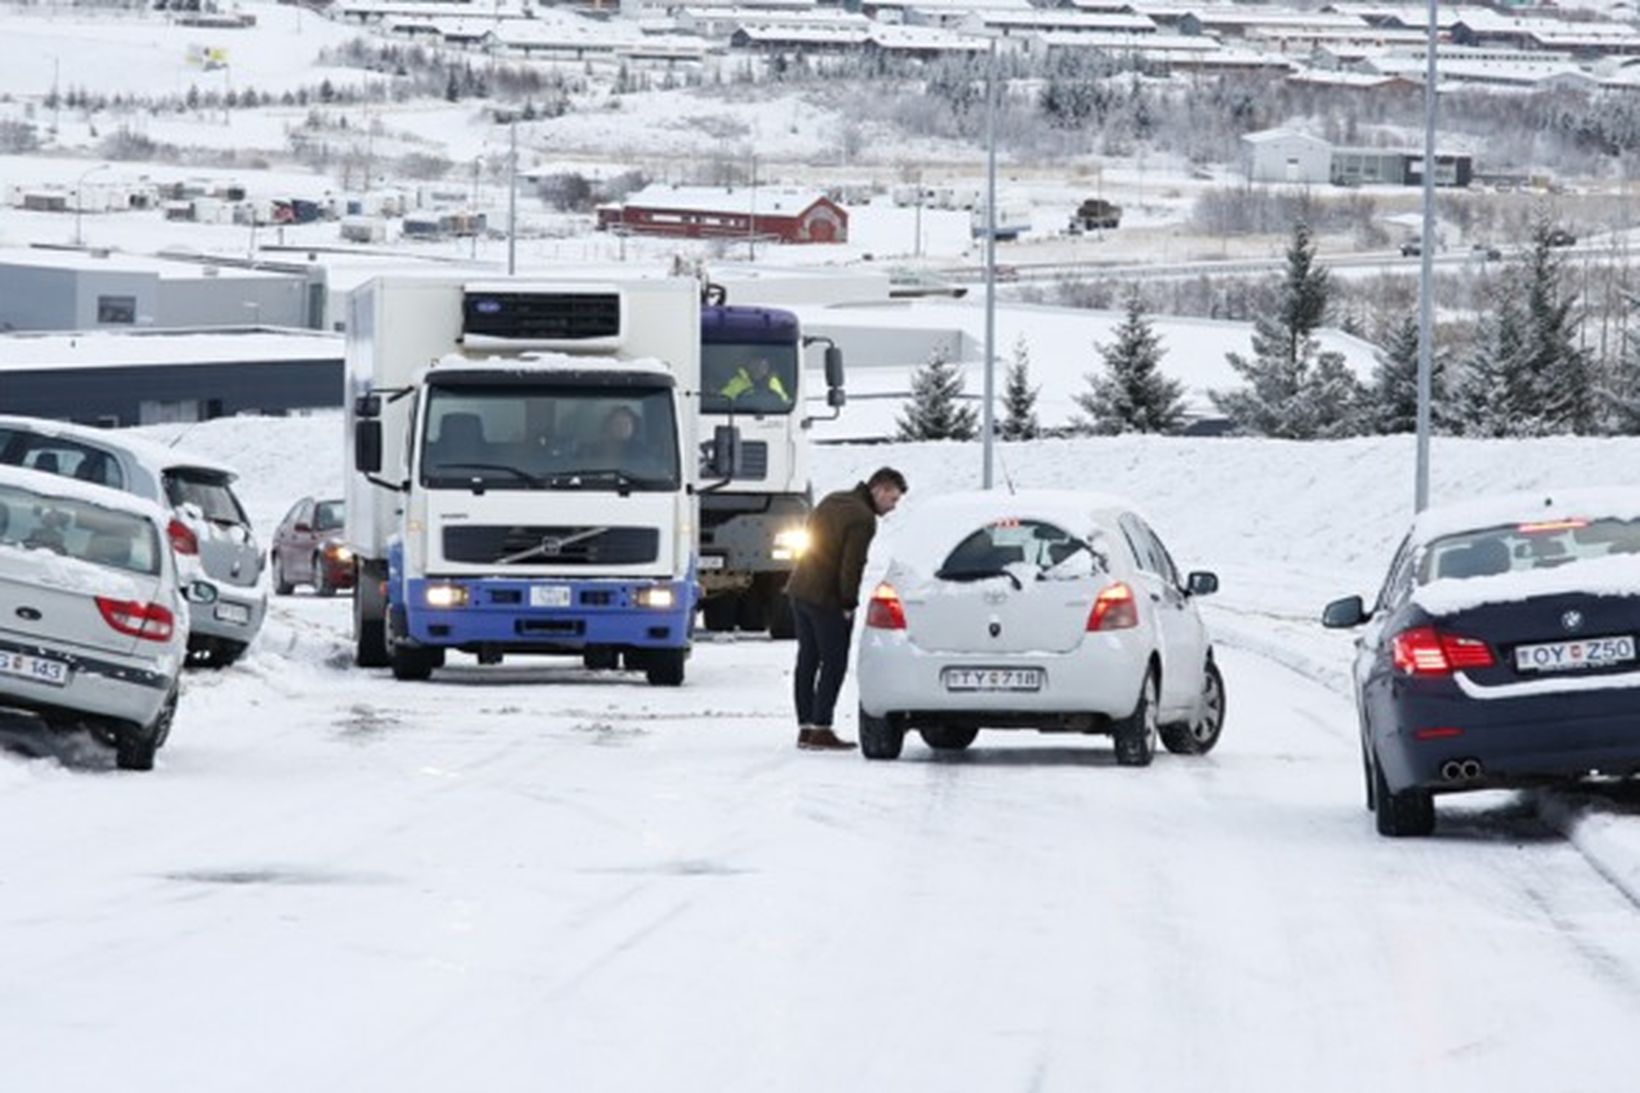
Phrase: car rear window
[1515,548]
[78,529]
[1003,543]
[208,491]
[55,455]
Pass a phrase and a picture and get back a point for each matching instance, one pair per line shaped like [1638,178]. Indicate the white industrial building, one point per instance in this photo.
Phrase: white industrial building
[1283,155]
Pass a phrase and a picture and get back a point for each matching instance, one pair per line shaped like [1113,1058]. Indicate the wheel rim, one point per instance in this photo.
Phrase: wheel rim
[1210,712]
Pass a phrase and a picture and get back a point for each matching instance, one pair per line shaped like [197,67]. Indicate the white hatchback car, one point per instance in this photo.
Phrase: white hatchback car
[93,626]
[1047,610]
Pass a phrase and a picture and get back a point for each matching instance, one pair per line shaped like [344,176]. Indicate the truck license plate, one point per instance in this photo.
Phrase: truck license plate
[549,595]
[1566,656]
[38,669]
[992,679]
[711,561]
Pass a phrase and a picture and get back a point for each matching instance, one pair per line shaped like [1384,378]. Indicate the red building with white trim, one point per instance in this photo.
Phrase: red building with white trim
[784,214]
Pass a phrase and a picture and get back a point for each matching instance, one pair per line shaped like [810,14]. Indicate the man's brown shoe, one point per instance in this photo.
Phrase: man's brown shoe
[824,739]
[804,735]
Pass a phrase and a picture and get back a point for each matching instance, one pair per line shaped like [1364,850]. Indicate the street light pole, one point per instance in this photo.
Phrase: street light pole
[512,203]
[79,200]
[990,261]
[1426,279]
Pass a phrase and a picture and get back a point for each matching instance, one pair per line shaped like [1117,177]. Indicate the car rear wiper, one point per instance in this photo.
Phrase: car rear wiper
[979,575]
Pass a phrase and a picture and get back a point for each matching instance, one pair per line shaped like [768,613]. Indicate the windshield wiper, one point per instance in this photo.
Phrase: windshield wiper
[505,467]
[979,575]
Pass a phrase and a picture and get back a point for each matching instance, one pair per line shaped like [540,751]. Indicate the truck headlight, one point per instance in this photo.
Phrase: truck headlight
[658,597]
[446,595]
[790,544]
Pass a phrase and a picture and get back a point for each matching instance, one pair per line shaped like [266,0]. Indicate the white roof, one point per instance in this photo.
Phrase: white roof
[1267,136]
[768,200]
[27,351]
[1070,20]
[1275,17]
[920,38]
[152,453]
[1152,44]
[56,485]
[797,33]
[167,269]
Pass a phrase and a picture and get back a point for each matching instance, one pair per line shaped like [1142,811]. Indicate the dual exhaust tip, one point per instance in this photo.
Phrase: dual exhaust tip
[1461,770]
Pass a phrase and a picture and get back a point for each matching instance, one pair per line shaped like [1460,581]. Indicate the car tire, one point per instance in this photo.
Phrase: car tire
[1136,734]
[720,613]
[880,737]
[1407,814]
[664,667]
[281,587]
[321,578]
[1370,777]
[135,745]
[948,737]
[214,653]
[1198,735]
[415,662]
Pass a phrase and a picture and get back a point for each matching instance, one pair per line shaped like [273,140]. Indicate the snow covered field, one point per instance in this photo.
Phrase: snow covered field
[534,877]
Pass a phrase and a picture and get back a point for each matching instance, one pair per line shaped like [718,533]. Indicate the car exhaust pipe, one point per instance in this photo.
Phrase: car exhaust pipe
[1471,769]
[1452,770]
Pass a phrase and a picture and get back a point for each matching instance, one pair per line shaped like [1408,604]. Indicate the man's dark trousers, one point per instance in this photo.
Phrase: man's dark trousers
[823,635]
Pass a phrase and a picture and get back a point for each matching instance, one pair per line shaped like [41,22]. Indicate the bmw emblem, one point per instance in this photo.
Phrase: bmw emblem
[1572,620]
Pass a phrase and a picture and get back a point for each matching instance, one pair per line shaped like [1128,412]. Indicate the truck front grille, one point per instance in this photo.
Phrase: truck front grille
[478,544]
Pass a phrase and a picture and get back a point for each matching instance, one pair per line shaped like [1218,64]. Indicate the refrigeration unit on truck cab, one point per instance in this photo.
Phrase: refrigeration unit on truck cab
[524,471]
[752,529]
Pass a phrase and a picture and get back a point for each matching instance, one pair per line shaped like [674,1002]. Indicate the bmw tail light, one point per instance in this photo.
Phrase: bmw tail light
[1426,651]
[1114,609]
[885,611]
[183,539]
[148,621]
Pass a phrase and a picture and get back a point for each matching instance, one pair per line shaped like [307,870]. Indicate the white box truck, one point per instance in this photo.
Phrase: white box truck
[524,470]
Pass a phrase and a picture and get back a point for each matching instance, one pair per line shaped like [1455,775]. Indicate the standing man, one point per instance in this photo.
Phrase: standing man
[824,590]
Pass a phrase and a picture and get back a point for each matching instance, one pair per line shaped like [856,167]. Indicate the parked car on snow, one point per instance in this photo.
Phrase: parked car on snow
[1500,652]
[208,528]
[92,622]
[1560,237]
[1046,610]
[308,549]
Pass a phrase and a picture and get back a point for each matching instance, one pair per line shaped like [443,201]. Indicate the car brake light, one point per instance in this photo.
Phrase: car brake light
[183,539]
[1114,609]
[1552,525]
[885,611]
[1426,651]
[148,621]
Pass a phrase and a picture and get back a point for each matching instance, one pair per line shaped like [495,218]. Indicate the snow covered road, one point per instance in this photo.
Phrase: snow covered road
[535,878]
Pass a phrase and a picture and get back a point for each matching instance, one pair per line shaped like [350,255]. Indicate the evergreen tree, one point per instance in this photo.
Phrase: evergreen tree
[1558,373]
[1620,390]
[1391,402]
[1132,395]
[1305,291]
[934,411]
[1490,399]
[1019,420]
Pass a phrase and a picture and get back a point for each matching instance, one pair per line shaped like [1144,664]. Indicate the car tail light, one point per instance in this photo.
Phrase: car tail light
[148,621]
[885,611]
[183,539]
[1114,609]
[1552,525]
[1426,651]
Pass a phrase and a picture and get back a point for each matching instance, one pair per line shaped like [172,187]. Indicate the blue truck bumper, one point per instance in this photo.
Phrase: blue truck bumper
[546,615]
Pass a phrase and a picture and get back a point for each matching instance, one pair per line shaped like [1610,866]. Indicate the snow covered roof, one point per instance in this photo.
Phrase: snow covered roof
[1270,136]
[546,363]
[1242,18]
[803,35]
[56,485]
[926,38]
[151,452]
[1156,45]
[28,351]
[765,200]
[1621,502]
[932,527]
[1070,20]
[166,269]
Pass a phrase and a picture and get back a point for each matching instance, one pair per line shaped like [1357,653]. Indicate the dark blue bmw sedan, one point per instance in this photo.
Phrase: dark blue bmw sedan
[1501,651]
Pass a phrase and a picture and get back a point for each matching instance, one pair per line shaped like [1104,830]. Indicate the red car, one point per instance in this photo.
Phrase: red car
[308,549]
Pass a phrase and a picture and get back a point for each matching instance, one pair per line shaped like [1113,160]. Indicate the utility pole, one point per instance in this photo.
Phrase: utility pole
[751,222]
[1426,276]
[991,261]
[512,201]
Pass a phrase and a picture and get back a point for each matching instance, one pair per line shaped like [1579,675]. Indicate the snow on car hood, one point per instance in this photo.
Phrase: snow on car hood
[1611,576]
[75,575]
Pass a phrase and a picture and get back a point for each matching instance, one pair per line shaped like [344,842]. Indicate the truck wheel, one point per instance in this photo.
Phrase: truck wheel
[413,662]
[369,620]
[1136,735]
[664,667]
[880,737]
[720,613]
[948,737]
[601,658]
[782,624]
[752,610]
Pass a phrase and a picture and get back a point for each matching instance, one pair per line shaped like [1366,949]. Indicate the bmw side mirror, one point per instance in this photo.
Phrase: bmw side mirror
[834,367]
[367,446]
[1202,583]
[1345,613]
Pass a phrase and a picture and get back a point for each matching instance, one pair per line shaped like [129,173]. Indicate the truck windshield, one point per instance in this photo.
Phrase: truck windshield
[748,379]
[530,437]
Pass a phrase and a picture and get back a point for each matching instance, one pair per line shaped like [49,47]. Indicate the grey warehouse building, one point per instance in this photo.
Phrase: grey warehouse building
[150,377]
[47,288]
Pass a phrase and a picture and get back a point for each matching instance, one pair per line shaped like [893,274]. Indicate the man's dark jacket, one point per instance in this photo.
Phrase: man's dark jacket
[840,531]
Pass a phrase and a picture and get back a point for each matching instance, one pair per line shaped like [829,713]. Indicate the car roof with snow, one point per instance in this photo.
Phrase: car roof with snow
[56,485]
[150,452]
[1620,502]
[929,531]
[537,362]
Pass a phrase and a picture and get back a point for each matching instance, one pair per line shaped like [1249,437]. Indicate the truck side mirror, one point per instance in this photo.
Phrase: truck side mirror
[367,406]
[367,446]
[834,369]
[725,452]
[836,397]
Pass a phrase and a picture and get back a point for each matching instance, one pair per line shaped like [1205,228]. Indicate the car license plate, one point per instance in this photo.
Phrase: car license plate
[38,669]
[549,595]
[1566,656]
[233,612]
[711,561]
[992,679]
